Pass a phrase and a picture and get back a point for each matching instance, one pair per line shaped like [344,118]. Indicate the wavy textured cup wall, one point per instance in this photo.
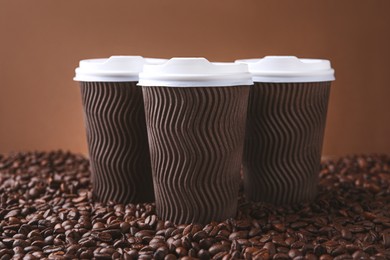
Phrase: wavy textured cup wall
[117,141]
[196,138]
[283,142]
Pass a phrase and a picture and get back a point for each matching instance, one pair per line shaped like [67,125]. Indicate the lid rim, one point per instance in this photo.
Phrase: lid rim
[193,71]
[294,73]
[195,84]
[106,73]
[292,79]
[289,69]
[106,79]
[119,68]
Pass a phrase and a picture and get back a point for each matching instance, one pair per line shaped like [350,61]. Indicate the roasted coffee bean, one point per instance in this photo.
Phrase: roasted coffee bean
[265,238]
[20,242]
[204,254]
[223,234]
[270,247]
[47,211]
[280,256]
[192,253]
[220,255]
[379,257]
[49,240]
[181,251]
[238,235]
[386,240]
[145,257]
[151,220]
[131,254]
[346,234]
[12,213]
[170,257]
[310,256]
[6,257]
[359,254]
[161,252]
[280,227]
[339,250]
[217,248]
[289,241]
[371,250]
[38,243]
[243,224]
[107,250]
[319,250]
[343,257]
[72,249]
[102,256]
[292,253]
[52,249]
[326,257]
[282,249]
[199,235]
[356,228]
[125,227]
[5,252]
[28,249]
[299,224]
[196,228]
[18,250]
[278,241]
[254,231]
[89,242]
[206,243]
[104,236]
[251,250]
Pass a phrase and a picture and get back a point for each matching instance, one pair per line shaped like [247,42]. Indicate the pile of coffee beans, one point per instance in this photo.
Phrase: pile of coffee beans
[47,212]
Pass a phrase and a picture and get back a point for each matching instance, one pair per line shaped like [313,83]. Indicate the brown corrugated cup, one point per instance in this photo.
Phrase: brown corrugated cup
[116,129]
[195,114]
[285,128]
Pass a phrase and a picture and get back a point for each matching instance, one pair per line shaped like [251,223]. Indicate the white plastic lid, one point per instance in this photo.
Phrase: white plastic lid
[195,72]
[113,69]
[289,69]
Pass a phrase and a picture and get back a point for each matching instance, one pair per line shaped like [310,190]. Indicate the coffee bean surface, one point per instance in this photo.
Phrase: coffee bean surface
[47,211]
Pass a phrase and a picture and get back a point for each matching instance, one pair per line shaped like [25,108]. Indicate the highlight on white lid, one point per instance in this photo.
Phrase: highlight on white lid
[289,69]
[113,69]
[195,72]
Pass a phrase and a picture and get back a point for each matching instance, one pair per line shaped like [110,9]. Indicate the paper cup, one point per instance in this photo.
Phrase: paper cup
[285,128]
[116,129]
[195,115]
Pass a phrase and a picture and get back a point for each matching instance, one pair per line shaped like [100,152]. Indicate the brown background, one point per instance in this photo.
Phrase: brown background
[41,43]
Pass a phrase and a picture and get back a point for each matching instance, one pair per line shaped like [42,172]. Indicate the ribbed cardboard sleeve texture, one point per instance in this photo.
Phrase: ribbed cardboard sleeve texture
[283,143]
[196,140]
[117,141]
